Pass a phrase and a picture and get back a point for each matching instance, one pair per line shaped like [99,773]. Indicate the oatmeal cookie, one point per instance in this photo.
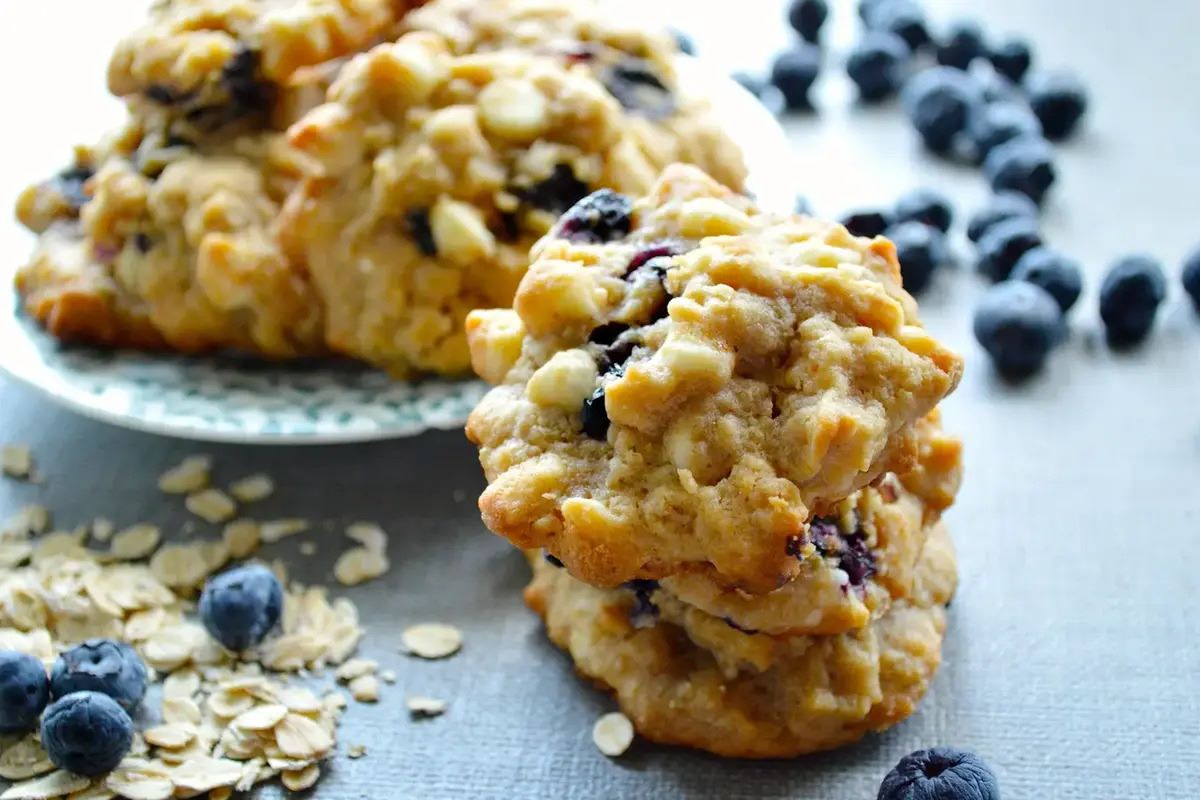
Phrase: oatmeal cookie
[686,677]
[686,382]
[436,173]
[150,241]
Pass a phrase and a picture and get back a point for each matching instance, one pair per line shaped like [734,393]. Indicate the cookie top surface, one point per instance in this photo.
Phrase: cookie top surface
[686,381]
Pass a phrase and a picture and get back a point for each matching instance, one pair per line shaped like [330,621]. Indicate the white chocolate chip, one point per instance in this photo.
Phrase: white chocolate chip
[563,382]
[513,109]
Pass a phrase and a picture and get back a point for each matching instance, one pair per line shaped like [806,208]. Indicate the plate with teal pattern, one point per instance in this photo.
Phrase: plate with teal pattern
[241,400]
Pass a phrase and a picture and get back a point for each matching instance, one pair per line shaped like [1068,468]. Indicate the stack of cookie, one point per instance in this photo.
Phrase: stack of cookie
[313,177]
[715,430]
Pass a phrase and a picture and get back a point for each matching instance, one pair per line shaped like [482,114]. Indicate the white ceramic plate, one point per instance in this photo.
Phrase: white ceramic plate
[237,400]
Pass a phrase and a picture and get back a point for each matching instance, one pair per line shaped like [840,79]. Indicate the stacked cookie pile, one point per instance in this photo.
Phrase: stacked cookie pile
[305,177]
[716,432]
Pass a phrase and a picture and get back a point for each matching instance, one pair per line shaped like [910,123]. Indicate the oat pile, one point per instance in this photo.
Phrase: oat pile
[224,725]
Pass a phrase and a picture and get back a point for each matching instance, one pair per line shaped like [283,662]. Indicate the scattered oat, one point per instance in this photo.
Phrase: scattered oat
[261,718]
[141,779]
[29,521]
[365,689]
[241,537]
[204,773]
[388,676]
[136,542]
[613,733]
[170,735]
[308,548]
[16,461]
[297,780]
[56,784]
[24,759]
[190,476]
[432,640]
[359,565]
[356,750]
[369,535]
[181,711]
[355,668]
[211,505]
[275,530]
[253,488]
[426,706]
[103,529]
[181,566]
[300,737]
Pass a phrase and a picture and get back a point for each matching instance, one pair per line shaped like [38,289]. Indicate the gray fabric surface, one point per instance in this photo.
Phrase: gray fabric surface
[1073,651]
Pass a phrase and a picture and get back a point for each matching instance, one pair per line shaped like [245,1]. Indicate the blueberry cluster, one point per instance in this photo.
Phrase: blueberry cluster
[917,225]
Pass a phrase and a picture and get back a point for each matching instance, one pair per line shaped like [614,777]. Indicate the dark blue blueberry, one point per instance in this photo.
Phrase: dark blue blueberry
[1004,243]
[921,249]
[607,333]
[995,87]
[1130,296]
[24,690]
[904,18]
[794,72]
[868,221]
[639,89]
[877,64]
[241,606]
[240,75]
[940,774]
[853,555]
[1012,59]
[654,251]
[1024,164]
[1001,206]
[927,206]
[939,102]
[595,416]
[600,217]
[1054,272]
[420,230]
[556,193]
[644,613]
[101,665]
[993,124]
[684,42]
[807,17]
[1191,277]
[70,183]
[962,44]
[1018,325]
[142,242]
[86,733]
[552,559]
[1059,99]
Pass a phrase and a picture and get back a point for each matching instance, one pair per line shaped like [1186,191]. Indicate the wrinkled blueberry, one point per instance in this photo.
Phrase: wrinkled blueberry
[24,691]
[142,242]
[1003,245]
[647,254]
[241,606]
[903,18]
[927,206]
[240,77]
[648,280]
[992,124]
[1001,206]
[850,549]
[101,665]
[639,89]
[1024,164]
[794,72]
[940,774]
[1130,296]
[613,357]
[607,333]
[595,416]
[921,249]
[644,613]
[1018,324]
[70,184]
[1059,99]
[1012,59]
[684,42]
[807,17]
[962,44]
[1191,277]
[556,193]
[1054,272]
[877,63]
[600,217]
[867,221]
[938,103]
[86,733]
[421,232]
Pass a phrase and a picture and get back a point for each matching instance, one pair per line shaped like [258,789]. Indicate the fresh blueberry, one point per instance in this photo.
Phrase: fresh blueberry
[995,87]
[70,184]
[24,690]
[1024,164]
[940,774]
[1018,325]
[962,44]
[86,733]
[939,103]
[877,63]
[794,72]
[100,665]
[1003,245]
[807,17]
[868,221]
[1191,277]
[684,42]
[421,231]
[903,18]
[921,249]
[867,7]
[595,416]
[241,606]
[993,124]
[1012,58]
[1129,298]
[927,206]
[1059,99]
[600,217]
[1001,206]
[1054,272]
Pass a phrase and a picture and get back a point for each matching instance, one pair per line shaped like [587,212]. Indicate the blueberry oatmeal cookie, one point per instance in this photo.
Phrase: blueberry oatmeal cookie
[435,173]
[151,241]
[687,383]
[686,677]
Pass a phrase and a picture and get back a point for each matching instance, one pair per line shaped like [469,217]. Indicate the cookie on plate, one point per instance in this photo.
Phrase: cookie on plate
[685,382]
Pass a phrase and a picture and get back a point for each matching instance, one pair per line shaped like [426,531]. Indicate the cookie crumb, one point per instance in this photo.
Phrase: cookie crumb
[432,640]
[191,475]
[253,488]
[426,706]
[613,734]
[211,505]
